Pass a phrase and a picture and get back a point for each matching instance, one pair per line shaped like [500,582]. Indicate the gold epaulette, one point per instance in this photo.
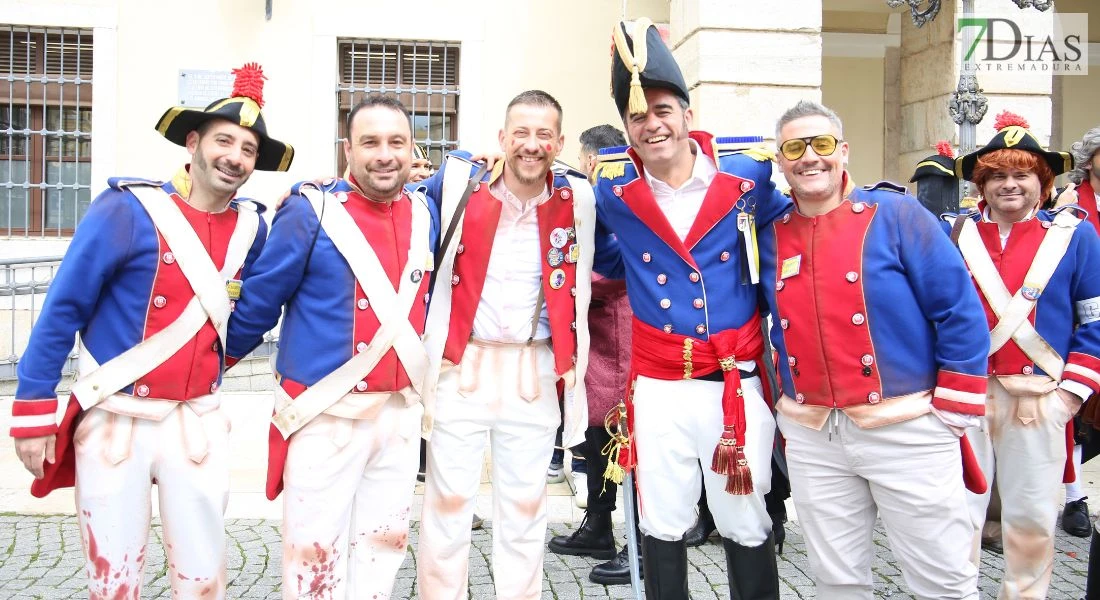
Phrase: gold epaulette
[611,166]
[757,150]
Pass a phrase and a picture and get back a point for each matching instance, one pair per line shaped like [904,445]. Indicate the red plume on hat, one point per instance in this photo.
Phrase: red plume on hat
[1013,132]
[943,148]
[249,83]
[242,107]
[1007,119]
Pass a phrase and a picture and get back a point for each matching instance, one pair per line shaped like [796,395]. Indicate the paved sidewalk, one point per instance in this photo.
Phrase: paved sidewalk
[40,557]
[40,554]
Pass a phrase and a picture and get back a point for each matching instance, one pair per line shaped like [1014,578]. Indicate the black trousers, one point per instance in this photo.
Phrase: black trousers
[601,493]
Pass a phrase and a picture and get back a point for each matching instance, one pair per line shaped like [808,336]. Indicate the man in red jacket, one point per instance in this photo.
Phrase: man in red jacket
[148,283]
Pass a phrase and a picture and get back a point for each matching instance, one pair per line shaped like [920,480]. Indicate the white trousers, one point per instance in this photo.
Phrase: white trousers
[910,473]
[479,398]
[114,505]
[677,425]
[348,492]
[1022,440]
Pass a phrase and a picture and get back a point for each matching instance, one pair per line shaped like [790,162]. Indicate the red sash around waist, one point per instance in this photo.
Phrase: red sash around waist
[660,355]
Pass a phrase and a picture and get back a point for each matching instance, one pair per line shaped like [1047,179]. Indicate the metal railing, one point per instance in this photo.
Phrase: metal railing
[24,283]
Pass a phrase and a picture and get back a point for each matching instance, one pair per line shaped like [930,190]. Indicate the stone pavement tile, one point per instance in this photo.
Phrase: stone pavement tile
[41,557]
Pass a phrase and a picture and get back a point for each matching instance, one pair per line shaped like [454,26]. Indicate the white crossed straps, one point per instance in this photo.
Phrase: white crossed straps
[1013,310]
[391,306]
[211,301]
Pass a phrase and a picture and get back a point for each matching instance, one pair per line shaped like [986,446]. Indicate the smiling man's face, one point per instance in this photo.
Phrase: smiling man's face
[660,135]
[814,179]
[379,151]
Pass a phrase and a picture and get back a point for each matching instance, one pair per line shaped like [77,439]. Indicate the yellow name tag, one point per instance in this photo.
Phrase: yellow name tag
[233,288]
[790,267]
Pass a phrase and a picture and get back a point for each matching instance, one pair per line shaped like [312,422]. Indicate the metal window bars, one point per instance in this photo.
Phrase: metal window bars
[422,74]
[45,129]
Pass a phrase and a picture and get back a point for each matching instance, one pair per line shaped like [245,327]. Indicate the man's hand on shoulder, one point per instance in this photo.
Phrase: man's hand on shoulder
[489,158]
[33,451]
[321,182]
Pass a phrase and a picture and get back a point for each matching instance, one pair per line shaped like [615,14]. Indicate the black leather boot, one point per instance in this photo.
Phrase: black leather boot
[752,572]
[1092,580]
[615,571]
[665,565]
[778,512]
[593,538]
[704,525]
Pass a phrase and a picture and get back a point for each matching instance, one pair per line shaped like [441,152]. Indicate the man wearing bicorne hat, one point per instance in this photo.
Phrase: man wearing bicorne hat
[937,186]
[508,321]
[685,207]
[879,366]
[350,263]
[148,283]
[421,166]
[1036,271]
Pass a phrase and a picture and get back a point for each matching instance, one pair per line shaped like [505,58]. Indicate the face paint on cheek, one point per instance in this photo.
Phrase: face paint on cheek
[549,147]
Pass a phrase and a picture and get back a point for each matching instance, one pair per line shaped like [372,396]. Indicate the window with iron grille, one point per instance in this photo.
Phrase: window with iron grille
[45,129]
[423,75]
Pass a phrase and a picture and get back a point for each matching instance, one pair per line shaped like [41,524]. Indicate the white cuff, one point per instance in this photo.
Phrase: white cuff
[955,419]
[1076,388]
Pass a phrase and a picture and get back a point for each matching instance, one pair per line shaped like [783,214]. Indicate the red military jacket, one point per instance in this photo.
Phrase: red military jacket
[479,227]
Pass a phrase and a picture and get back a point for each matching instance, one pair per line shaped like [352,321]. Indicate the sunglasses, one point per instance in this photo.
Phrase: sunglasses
[823,145]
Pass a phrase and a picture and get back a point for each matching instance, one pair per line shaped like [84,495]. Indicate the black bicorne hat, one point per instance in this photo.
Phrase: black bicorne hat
[241,107]
[937,187]
[634,68]
[934,166]
[1013,134]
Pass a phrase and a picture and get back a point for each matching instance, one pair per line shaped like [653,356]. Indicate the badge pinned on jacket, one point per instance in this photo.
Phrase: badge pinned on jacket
[559,238]
[557,279]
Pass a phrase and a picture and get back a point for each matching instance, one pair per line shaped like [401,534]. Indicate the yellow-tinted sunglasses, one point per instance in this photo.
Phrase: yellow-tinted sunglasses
[823,145]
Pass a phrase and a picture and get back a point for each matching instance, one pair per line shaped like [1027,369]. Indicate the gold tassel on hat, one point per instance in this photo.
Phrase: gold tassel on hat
[636,104]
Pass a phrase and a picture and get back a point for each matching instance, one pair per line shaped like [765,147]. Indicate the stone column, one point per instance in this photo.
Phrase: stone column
[891,94]
[747,62]
[1025,92]
[929,73]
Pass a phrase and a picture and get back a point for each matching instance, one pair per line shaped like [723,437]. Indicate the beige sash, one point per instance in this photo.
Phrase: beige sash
[391,306]
[455,178]
[575,407]
[1013,310]
[211,301]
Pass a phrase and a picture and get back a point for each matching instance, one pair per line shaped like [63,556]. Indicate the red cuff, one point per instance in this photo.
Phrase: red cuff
[230,361]
[1084,369]
[33,418]
[961,393]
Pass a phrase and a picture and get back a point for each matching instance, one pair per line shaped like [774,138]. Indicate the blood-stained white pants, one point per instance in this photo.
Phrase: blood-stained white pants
[348,491]
[677,425]
[118,458]
[908,473]
[1022,440]
[478,398]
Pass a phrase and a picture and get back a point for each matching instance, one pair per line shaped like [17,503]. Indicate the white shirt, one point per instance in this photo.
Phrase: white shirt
[681,205]
[515,272]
